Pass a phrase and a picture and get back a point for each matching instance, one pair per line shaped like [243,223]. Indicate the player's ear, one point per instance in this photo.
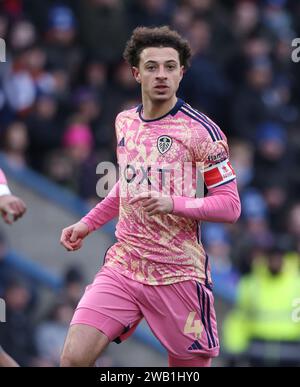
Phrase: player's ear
[136,74]
[182,71]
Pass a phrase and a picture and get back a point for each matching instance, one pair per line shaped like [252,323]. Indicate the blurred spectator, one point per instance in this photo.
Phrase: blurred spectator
[262,329]
[73,286]
[276,19]
[245,18]
[150,12]
[123,88]
[17,334]
[182,18]
[105,19]
[75,166]
[43,129]
[250,106]
[22,35]
[255,230]
[245,52]
[255,215]
[272,160]
[242,161]
[61,48]
[15,144]
[276,194]
[204,85]
[218,247]
[58,167]
[78,141]
[95,76]
[87,104]
[25,78]
[51,333]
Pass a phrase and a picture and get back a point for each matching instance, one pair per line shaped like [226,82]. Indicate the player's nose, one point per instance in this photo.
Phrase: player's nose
[161,74]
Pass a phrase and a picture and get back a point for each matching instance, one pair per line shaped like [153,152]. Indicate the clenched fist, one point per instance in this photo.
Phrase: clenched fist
[72,236]
[12,208]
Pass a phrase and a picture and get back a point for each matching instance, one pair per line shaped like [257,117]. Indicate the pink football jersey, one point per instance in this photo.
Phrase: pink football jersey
[163,156]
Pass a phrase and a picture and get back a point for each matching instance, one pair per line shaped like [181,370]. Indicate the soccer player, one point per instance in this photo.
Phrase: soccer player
[157,269]
[11,209]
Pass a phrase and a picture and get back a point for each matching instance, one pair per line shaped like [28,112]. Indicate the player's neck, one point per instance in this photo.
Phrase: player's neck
[153,110]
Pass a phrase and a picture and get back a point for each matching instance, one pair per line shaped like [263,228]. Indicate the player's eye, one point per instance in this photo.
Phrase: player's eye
[171,67]
[151,68]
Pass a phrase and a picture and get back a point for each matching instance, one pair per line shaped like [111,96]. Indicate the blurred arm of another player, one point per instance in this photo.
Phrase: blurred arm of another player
[11,207]
[72,236]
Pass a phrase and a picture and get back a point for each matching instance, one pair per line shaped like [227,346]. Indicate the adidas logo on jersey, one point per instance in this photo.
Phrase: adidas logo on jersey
[122,142]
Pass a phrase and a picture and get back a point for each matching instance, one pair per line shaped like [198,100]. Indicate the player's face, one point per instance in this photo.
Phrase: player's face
[159,72]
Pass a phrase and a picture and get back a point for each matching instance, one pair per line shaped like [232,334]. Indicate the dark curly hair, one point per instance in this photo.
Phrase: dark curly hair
[143,37]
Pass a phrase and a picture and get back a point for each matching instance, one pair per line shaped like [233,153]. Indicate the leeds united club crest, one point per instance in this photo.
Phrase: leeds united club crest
[164,144]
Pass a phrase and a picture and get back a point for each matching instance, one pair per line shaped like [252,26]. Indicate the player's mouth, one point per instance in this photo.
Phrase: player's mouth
[161,87]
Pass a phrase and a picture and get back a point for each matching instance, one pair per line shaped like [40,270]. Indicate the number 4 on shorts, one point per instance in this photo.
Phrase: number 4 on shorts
[193,326]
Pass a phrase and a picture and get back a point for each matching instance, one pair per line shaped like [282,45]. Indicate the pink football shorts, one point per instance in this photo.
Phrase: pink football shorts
[180,315]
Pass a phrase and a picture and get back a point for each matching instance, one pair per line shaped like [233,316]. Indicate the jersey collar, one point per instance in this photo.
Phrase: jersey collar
[173,111]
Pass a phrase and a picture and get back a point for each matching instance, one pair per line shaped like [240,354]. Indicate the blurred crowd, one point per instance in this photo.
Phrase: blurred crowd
[36,324]
[64,81]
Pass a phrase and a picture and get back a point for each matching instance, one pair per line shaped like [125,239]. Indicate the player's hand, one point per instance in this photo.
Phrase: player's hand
[12,208]
[72,236]
[154,204]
